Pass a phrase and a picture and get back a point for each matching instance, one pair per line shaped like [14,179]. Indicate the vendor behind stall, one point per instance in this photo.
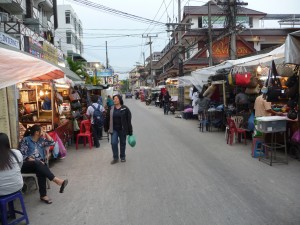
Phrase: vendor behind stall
[262,107]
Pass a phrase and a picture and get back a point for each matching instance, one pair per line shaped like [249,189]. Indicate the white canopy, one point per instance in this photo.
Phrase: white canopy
[17,66]
[200,76]
[292,48]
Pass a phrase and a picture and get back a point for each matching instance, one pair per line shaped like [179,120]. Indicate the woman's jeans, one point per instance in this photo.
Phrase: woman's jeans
[166,108]
[42,172]
[115,137]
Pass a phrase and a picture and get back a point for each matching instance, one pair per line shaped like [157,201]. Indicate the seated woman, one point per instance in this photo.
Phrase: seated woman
[10,167]
[33,147]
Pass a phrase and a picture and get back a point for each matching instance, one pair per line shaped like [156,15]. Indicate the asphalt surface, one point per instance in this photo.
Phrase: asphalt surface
[175,175]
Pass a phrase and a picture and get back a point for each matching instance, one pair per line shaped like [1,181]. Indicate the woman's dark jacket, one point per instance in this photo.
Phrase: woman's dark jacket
[125,120]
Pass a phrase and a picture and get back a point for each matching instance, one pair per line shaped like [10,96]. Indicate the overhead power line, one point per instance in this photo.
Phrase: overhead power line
[117,12]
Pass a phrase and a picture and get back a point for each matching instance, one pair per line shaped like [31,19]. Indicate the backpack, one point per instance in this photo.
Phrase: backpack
[97,116]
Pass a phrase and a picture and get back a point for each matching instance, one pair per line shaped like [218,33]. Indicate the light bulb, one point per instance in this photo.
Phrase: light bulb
[41,93]
[258,70]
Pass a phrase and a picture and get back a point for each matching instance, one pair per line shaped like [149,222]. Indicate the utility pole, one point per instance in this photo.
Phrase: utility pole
[150,44]
[210,58]
[106,55]
[231,15]
[232,8]
[179,27]
[180,60]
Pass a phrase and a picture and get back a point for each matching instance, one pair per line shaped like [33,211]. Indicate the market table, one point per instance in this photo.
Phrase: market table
[272,125]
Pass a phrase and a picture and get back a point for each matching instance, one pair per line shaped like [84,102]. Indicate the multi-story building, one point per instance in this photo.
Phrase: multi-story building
[28,19]
[190,39]
[68,34]
[136,77]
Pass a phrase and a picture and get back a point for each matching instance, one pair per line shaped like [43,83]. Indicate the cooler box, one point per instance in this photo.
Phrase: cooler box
[271,124]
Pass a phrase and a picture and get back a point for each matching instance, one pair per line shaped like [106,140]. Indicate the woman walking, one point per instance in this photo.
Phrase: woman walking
[119,125]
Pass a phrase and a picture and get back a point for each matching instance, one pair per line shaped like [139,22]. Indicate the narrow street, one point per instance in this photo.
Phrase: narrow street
[175,175]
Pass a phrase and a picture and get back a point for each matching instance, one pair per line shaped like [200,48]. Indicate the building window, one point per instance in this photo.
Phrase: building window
[75,24]
[200,22]
[251,22]
[69,37]
[68,17]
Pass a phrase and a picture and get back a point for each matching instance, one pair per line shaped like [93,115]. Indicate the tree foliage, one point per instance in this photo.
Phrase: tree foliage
[79,68]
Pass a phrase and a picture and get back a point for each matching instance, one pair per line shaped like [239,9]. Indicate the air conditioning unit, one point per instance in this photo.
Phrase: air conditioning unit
[4,17]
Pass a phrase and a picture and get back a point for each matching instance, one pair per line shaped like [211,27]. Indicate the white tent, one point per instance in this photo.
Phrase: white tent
[200,76]
[17,66]
[264,59]
[292,48]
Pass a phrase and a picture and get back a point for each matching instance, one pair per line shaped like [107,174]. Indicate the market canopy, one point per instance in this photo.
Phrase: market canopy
[200,76]
[17,66]
[292,48]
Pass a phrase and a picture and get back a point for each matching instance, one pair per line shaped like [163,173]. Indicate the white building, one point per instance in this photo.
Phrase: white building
[68,35]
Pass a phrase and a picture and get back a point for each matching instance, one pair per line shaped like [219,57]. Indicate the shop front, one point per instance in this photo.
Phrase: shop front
[28,94]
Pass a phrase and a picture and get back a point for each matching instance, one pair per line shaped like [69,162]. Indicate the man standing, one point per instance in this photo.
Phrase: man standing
[262,107]
[96,127]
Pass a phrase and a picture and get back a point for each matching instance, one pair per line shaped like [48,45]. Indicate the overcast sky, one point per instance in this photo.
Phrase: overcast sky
[124,36]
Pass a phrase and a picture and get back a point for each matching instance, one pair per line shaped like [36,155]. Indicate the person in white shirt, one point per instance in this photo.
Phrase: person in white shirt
[11,161]
[96,129]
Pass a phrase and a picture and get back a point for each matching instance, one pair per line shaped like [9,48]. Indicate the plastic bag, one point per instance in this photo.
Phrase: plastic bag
[296,136]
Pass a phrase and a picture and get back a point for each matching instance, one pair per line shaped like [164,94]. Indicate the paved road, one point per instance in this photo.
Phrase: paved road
[174,176]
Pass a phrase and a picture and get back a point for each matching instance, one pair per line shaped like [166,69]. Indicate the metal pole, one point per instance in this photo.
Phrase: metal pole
[180,60]
[106,55]
[151,75]
[232,27]
[210,61]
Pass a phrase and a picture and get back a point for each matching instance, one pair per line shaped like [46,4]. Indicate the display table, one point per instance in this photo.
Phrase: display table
[272,125]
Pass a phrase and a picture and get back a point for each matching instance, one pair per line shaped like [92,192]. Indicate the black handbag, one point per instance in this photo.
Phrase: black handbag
[292,114]
[275,91]
[75,105]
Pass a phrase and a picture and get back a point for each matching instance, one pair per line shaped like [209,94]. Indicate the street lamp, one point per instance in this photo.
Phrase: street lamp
[96,65]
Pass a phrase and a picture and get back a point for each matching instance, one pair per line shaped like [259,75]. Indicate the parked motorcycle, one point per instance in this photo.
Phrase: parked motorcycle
[148,101]
[172,108]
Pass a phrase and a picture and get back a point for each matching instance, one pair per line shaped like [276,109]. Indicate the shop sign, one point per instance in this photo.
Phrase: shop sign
[110,80]
[90,73]
[50,53]
[33,47]
[220,49]
[105,73]
[8,40]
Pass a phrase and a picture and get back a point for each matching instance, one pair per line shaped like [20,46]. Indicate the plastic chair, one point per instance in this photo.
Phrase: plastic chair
[8,200]
[85,132]
[233,130]
[33,175]
[238,121]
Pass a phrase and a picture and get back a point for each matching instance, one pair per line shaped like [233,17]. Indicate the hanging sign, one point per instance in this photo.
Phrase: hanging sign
[110,80]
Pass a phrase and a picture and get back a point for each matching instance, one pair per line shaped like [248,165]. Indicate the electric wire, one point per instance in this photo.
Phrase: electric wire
[116,12]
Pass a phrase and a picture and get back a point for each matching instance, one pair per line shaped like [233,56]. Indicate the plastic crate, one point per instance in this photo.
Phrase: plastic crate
[271,124]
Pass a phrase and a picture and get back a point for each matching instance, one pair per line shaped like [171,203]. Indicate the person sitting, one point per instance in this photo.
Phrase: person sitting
[241,101]
[10,167]
[46,103]
[32,147]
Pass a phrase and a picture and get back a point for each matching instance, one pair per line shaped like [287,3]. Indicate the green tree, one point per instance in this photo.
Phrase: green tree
[124,85]
[79,68]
